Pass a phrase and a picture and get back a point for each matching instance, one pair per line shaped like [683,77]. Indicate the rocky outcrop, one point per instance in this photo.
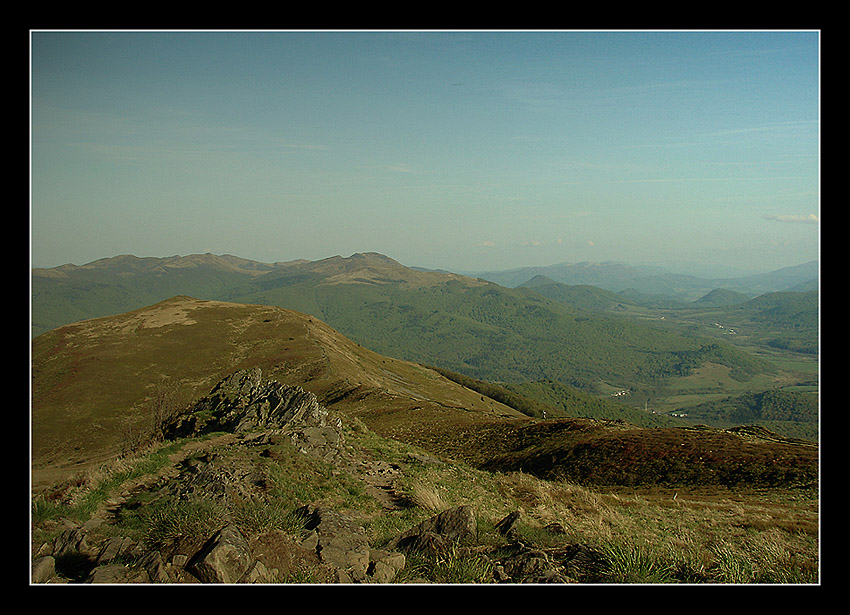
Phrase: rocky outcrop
[243,404]
[330,540]
[81,554]
[330,544]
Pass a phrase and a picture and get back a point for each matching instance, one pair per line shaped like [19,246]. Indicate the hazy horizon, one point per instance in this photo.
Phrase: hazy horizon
[464,151]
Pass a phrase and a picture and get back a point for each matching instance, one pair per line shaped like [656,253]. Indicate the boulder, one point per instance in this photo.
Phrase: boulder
[113,548]
[258,573]
[43,569]
[384,565]
[111,574]
[154,566]
[225,558]
[440,531]
[70,541]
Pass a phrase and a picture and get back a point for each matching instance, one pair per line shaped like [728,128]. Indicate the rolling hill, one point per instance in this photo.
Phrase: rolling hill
[69,293]
[787,320]
[95,382]
[463,324]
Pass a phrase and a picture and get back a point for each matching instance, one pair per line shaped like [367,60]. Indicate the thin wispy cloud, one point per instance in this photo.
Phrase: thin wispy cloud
[398,168]
[797,219]
[776,126]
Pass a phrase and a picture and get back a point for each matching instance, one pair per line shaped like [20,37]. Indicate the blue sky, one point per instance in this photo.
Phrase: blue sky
[463,150]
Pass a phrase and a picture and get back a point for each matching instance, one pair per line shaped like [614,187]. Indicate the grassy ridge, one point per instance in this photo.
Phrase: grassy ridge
[592,453]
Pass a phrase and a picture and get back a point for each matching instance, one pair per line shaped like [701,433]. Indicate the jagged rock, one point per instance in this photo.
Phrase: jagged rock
[69,541]
[225,558]
[154,566]
[340,543]
[113,574]
[242,403]
[258,573]
[507,526]
[440,531]
[113,548]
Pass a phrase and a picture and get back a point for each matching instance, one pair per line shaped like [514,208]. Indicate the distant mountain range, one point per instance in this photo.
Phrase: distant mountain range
[113,285]
[469,325]
[618,277]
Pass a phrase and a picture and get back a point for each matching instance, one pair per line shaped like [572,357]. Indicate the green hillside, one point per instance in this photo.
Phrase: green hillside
[548,399]
[580,296]
[70,293]
[722,296]
[790,413]
[789,320]
[463,324]
[494,333]
[783,320]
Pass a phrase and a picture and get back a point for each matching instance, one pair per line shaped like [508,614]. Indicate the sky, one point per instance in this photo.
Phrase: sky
[459,150]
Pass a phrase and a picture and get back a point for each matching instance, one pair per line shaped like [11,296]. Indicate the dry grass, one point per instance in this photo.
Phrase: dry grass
[427,497]
[581,511]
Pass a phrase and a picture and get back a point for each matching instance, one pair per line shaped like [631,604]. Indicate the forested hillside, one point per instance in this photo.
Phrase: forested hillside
[792,413]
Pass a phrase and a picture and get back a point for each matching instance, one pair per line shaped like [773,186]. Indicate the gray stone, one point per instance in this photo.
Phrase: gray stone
[69,541]
[113,548]
[242,403]
[155,567]
[385,565]
[339,542]
[43,569]
[259,574]
[179,560]
[440,531]
[225,558]
[117,574]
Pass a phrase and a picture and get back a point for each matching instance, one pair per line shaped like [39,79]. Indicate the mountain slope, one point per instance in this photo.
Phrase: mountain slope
[482,329]
[581,296]
[95,383]
[464,324]
[721,297]
[69,293]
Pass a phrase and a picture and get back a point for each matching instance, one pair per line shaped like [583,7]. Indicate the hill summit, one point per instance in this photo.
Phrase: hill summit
[97,382]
